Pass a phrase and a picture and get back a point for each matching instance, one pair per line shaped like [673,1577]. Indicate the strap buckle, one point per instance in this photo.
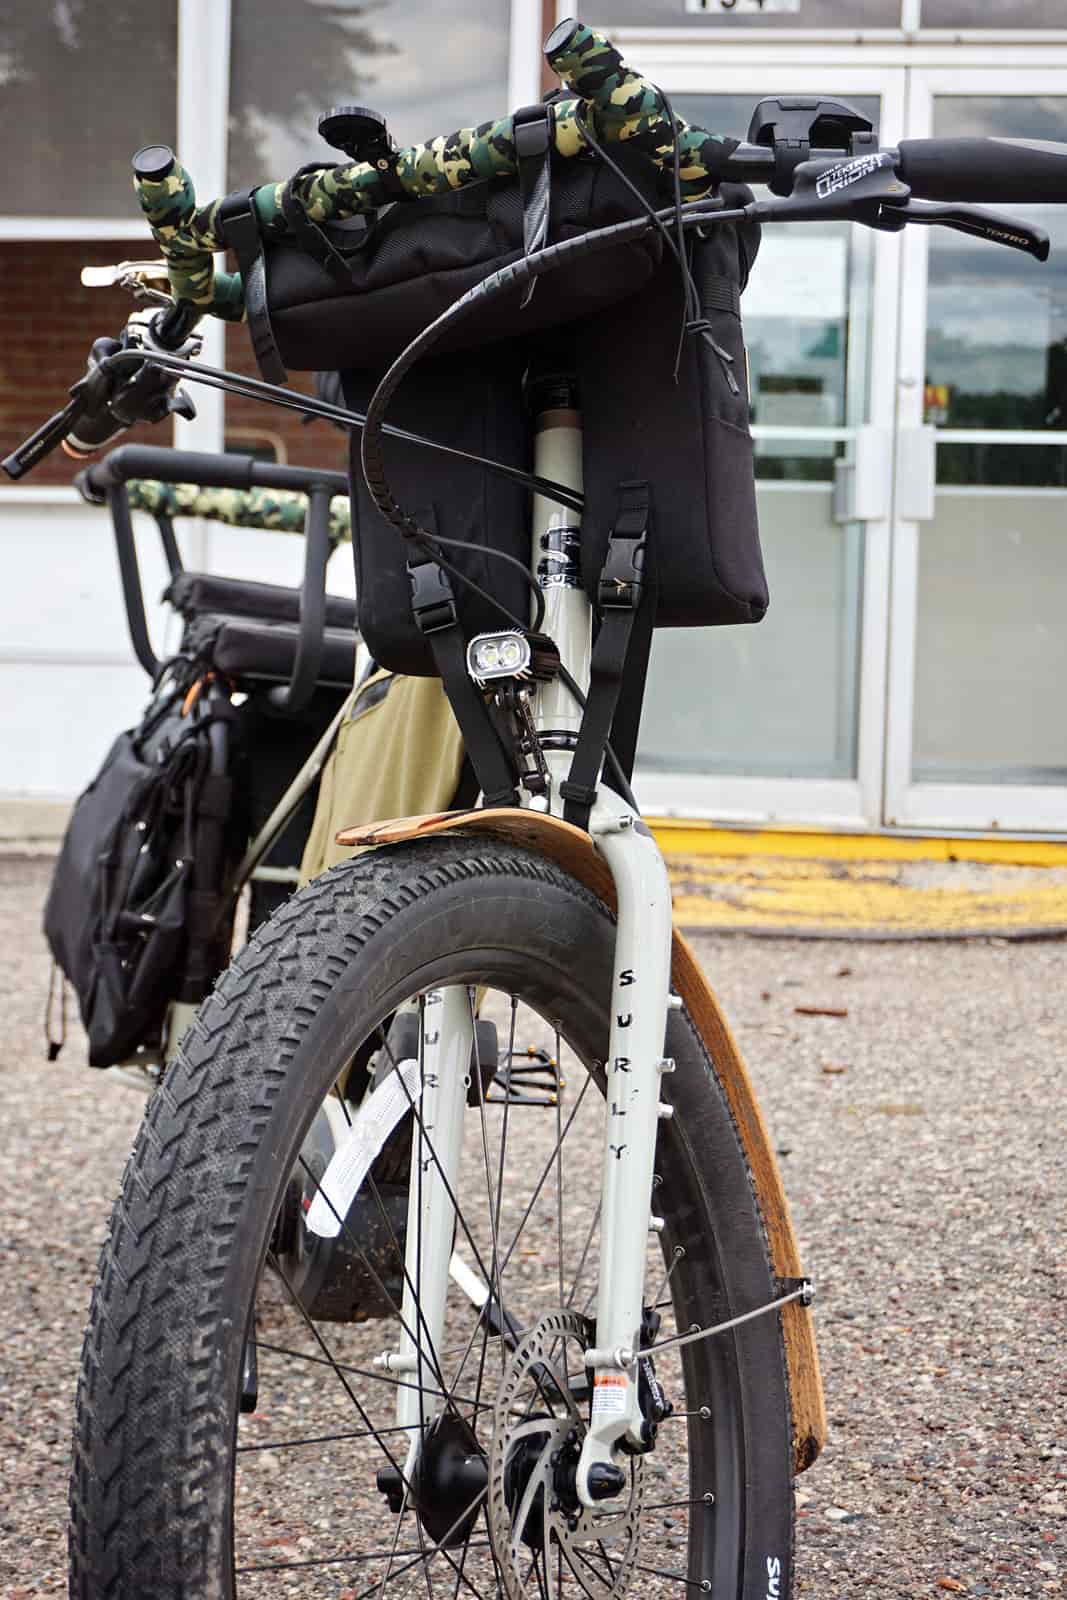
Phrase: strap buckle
[532,130]
[432,600]
[621,581]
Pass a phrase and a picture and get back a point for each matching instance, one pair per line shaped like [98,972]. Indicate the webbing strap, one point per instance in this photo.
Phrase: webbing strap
[619,654]
[434,607]
[239,227]
[533,133]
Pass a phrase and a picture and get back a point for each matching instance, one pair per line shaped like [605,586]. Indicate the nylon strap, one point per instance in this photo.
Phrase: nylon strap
[239,226]
[434,608]
[620,655]
[534,132]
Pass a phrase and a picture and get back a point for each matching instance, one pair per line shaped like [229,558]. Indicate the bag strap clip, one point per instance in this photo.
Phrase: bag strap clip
[432,599]
[621,581]
[239,226]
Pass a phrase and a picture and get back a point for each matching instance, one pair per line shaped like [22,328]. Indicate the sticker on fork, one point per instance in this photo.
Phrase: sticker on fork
[353,1158]
[609,1393]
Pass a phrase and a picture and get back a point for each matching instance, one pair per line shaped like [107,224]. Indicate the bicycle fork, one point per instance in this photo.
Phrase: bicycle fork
[635,1064]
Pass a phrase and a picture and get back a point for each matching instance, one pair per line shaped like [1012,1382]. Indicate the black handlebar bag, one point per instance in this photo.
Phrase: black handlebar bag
[352,294]
[686,436]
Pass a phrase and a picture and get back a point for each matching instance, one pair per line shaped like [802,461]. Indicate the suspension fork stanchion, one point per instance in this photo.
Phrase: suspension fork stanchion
[445,1052]
[639,997]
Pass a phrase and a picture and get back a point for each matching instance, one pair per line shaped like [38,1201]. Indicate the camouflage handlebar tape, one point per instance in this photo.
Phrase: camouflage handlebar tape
[187,238]
[281,510]
[618,104]
[623,106]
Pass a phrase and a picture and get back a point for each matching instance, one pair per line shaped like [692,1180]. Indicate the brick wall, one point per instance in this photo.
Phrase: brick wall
[316,444]
[47,323]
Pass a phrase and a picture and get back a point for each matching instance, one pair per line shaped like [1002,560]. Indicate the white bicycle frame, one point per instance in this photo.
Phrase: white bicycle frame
[640,997]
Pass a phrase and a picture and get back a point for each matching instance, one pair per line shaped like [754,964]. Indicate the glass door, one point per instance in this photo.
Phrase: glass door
[785,720]
[977,722]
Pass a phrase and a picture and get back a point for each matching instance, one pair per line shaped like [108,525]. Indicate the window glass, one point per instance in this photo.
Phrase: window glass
[996,345]
[428,69]
[850,14]
[82,85]
[993,14]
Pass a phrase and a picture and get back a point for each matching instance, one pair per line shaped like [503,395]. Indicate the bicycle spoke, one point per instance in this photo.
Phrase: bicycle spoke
[352,1558]
[582,1259]
[378,1281]
[362,1372]
[336,1369]
[545,1174]
[319,1438]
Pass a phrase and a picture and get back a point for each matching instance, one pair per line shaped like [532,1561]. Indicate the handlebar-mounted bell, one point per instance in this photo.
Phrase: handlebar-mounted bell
[793,125]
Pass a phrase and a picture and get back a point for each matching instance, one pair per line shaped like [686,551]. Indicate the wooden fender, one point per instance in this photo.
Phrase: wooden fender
[576,853]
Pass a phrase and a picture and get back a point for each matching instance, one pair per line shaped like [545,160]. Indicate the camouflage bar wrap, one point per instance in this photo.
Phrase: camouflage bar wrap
[616,102]
[281,510]
[624,106]
[187,239]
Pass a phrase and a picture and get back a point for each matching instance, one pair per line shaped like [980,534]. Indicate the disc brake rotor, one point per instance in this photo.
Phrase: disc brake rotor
[538,1528]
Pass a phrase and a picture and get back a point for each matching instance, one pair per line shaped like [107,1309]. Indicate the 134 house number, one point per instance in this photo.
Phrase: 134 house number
[765,6]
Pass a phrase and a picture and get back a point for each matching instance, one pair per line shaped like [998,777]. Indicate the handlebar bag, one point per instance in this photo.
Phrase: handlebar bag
[472,401]
[688,439]
[378,283]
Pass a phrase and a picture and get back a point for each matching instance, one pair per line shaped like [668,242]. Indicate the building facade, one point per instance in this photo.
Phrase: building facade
[910,421]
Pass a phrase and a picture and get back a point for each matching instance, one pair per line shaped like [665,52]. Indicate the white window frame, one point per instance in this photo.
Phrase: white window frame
[1036,808]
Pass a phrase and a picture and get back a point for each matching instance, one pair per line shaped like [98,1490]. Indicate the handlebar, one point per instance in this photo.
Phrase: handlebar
[619,105]
[1020,171]
[112,482]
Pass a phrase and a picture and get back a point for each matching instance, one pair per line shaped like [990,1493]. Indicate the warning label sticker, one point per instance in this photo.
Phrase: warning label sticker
[609,1393]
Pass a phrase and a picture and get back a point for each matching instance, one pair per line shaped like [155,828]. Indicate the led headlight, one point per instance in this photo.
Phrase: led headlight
[492,657]
[499,655]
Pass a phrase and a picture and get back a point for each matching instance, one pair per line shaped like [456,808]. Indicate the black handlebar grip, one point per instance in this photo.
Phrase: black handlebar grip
[1019,171]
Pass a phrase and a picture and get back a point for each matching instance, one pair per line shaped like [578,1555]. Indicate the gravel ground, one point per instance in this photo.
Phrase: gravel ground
[922,1138]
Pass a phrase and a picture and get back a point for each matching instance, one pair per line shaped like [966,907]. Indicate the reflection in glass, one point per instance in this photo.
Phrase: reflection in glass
[806,313]
[777,699]
[82,86]
[429,69]
[991,641]
[996,352]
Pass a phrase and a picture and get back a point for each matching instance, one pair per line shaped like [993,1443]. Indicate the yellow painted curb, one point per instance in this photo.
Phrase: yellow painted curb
[790,894]
[704,839]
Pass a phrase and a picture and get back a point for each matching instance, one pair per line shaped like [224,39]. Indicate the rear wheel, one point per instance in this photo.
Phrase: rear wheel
[214,1298]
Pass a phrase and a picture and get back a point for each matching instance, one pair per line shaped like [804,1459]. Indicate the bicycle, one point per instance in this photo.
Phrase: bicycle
[628,1403]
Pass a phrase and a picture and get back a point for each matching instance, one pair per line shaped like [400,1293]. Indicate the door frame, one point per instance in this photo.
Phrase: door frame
[945,806]
[854,803]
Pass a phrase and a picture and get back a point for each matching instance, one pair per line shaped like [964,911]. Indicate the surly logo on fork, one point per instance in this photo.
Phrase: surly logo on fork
[774,1577]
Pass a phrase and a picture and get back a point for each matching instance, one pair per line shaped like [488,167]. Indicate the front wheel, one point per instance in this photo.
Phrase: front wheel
[245,1424]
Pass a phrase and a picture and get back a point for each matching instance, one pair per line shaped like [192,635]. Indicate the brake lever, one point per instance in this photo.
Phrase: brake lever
[974,220]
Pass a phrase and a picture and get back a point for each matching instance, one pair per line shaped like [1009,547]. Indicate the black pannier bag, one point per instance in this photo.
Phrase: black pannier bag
[353,294]
[688,440]
[132,915]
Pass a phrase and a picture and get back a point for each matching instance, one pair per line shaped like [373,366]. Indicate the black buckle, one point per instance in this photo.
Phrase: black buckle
[432,599]
[238,222]
[622,575]
[532,130]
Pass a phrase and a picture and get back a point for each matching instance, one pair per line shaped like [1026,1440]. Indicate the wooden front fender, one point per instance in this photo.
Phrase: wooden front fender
[576,853]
